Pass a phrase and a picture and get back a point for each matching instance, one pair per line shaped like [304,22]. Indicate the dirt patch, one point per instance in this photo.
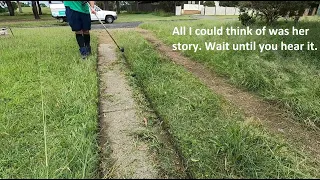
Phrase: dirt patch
[272,118]
[123,155]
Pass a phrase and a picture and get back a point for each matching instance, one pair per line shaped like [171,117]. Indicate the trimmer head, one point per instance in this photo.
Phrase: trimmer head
[122,49]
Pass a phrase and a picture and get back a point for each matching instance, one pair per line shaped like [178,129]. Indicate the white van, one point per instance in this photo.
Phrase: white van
[58,11]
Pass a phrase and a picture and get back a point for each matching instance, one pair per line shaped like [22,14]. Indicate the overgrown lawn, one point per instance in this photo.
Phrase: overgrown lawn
[213,138]
[48,98]
[288,78]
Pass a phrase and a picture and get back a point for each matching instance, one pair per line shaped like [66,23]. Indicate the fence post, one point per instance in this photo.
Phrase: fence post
[178,10]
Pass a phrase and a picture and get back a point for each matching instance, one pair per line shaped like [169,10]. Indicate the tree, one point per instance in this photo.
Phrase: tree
[39,8]
[105,5]
[19,6]
[10,8]
[43,5]
[210,3]
[270,11]
[24,5]
[35,10]
[118,7]
[99,4]
[169,6]
[228,3]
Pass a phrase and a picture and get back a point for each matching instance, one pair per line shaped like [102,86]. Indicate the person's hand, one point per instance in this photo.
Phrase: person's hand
[92,10]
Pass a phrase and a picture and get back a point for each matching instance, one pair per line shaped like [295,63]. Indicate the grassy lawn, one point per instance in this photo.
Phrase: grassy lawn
[33,23]
[26,15]
[48,106]
[289,78]
[213,138]
[26,19]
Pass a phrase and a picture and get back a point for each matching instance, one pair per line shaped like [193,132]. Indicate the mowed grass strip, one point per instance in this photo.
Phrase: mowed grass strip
[213,138]
[288,78]
[47,60]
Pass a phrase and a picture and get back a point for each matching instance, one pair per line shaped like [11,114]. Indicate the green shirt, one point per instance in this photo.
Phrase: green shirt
[77,6]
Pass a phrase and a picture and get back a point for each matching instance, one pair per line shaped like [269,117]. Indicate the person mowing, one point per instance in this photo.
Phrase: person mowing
[78,17]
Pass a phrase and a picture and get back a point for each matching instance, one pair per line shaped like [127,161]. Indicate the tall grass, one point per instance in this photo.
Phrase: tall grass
[48,109]
[213,138]
[288,78]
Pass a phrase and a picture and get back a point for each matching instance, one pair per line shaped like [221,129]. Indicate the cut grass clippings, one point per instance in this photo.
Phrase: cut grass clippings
[288,78]
[48,106]
[212,137]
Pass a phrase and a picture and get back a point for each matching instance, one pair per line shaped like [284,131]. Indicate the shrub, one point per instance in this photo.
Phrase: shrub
[162,13]
[245,19]
[2,10]
[272,10]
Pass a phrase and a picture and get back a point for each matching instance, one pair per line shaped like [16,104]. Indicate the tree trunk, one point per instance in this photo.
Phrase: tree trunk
[10,8]
[19,6]
[105,5]
[49,2]
[39,8]
[137,6]
[35,10]
[118,7]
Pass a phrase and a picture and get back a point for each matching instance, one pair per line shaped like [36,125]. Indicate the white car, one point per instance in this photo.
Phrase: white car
[58,11]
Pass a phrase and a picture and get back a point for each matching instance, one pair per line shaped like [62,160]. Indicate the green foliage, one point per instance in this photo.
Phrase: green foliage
[14,5]
[169,6]
[43,5]
[270,11]
[24,4]
[209,3]
[228,3]
[245,19]
[2,9]
[162,13]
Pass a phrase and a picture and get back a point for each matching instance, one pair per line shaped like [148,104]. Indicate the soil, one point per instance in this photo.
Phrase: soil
[274,119]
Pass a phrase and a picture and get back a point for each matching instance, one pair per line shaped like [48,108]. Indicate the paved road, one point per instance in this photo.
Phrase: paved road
[116,25]
[97,25]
